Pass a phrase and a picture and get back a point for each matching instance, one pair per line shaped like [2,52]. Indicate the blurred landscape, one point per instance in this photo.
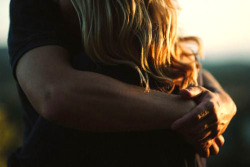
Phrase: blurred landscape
[234,76]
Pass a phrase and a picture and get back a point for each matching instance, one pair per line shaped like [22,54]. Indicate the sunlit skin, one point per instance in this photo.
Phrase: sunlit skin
[205,130]
[219,109]
[199,132]
[204,133]
[202,127]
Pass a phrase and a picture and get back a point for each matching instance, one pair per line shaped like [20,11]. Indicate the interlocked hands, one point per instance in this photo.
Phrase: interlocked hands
[204,125]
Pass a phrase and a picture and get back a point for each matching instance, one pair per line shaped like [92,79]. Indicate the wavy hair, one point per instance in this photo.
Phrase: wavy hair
[142,34]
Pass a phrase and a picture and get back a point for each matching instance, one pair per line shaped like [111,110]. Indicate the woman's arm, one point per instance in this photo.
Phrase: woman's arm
[211,98]
[91,101]
[226,108]
[212,115]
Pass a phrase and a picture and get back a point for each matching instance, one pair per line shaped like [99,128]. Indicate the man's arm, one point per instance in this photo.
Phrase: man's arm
[210,118]
[226,106]
[209,97]
[91,101]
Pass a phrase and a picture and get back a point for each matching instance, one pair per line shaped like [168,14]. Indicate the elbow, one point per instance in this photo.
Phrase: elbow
[52,108]
[50,111]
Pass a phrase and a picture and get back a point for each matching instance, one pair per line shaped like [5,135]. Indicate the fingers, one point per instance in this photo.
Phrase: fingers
[220,140]
[200,111]
[209,127]
[210,147]
[204,125]
[203,149]
[206,129]
[202,122]
[213,133]
[193,117]
[217,143]
[204,153]
[214,149]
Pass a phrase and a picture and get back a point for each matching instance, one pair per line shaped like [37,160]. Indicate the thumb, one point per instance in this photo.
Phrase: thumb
[191,92]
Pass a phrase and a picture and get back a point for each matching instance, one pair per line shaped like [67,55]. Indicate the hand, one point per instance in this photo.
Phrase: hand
[204,148]
[209,119]
[216,144]
[210,147]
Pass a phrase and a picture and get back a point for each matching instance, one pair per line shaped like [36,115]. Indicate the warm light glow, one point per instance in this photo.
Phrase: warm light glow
[4,21]
[223,25]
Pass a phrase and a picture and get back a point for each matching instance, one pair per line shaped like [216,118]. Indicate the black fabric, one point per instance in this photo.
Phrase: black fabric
[36,23]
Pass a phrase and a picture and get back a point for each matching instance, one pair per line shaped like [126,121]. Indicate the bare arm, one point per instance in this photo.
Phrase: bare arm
[90,101]
[208,121]
[211,83]
[225,105]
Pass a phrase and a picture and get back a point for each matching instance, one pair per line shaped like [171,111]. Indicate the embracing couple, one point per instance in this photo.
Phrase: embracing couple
[112,83]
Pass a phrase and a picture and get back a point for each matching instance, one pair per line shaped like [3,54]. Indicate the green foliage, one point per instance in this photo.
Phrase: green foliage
[10,112]
[233,77]
[9,138]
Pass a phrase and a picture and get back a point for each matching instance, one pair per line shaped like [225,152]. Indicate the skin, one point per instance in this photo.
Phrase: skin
[205,124]
[89,101]
[69,98]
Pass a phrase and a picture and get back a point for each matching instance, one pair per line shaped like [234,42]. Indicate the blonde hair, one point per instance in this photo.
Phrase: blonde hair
[142,34]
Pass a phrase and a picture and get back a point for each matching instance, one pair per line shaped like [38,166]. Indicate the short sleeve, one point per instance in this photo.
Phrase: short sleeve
[34,23]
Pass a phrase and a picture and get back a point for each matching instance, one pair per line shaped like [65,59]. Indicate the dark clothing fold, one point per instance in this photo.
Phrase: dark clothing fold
[36,23]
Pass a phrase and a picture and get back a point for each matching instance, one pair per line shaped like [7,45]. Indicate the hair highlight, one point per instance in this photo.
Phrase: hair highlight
[142,34]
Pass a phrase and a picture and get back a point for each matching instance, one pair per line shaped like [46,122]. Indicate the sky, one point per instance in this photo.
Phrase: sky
[223,25]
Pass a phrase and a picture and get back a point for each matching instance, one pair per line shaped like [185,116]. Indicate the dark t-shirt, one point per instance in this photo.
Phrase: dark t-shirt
[37,23]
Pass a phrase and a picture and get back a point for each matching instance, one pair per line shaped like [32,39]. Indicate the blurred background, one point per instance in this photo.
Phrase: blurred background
[223,26]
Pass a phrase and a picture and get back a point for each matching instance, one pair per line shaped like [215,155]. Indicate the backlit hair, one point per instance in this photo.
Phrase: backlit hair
[142,34]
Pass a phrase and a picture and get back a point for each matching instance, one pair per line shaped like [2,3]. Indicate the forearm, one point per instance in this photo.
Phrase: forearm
[95,102]
[213,85]
[210,82]
[204,125]
[90,101]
